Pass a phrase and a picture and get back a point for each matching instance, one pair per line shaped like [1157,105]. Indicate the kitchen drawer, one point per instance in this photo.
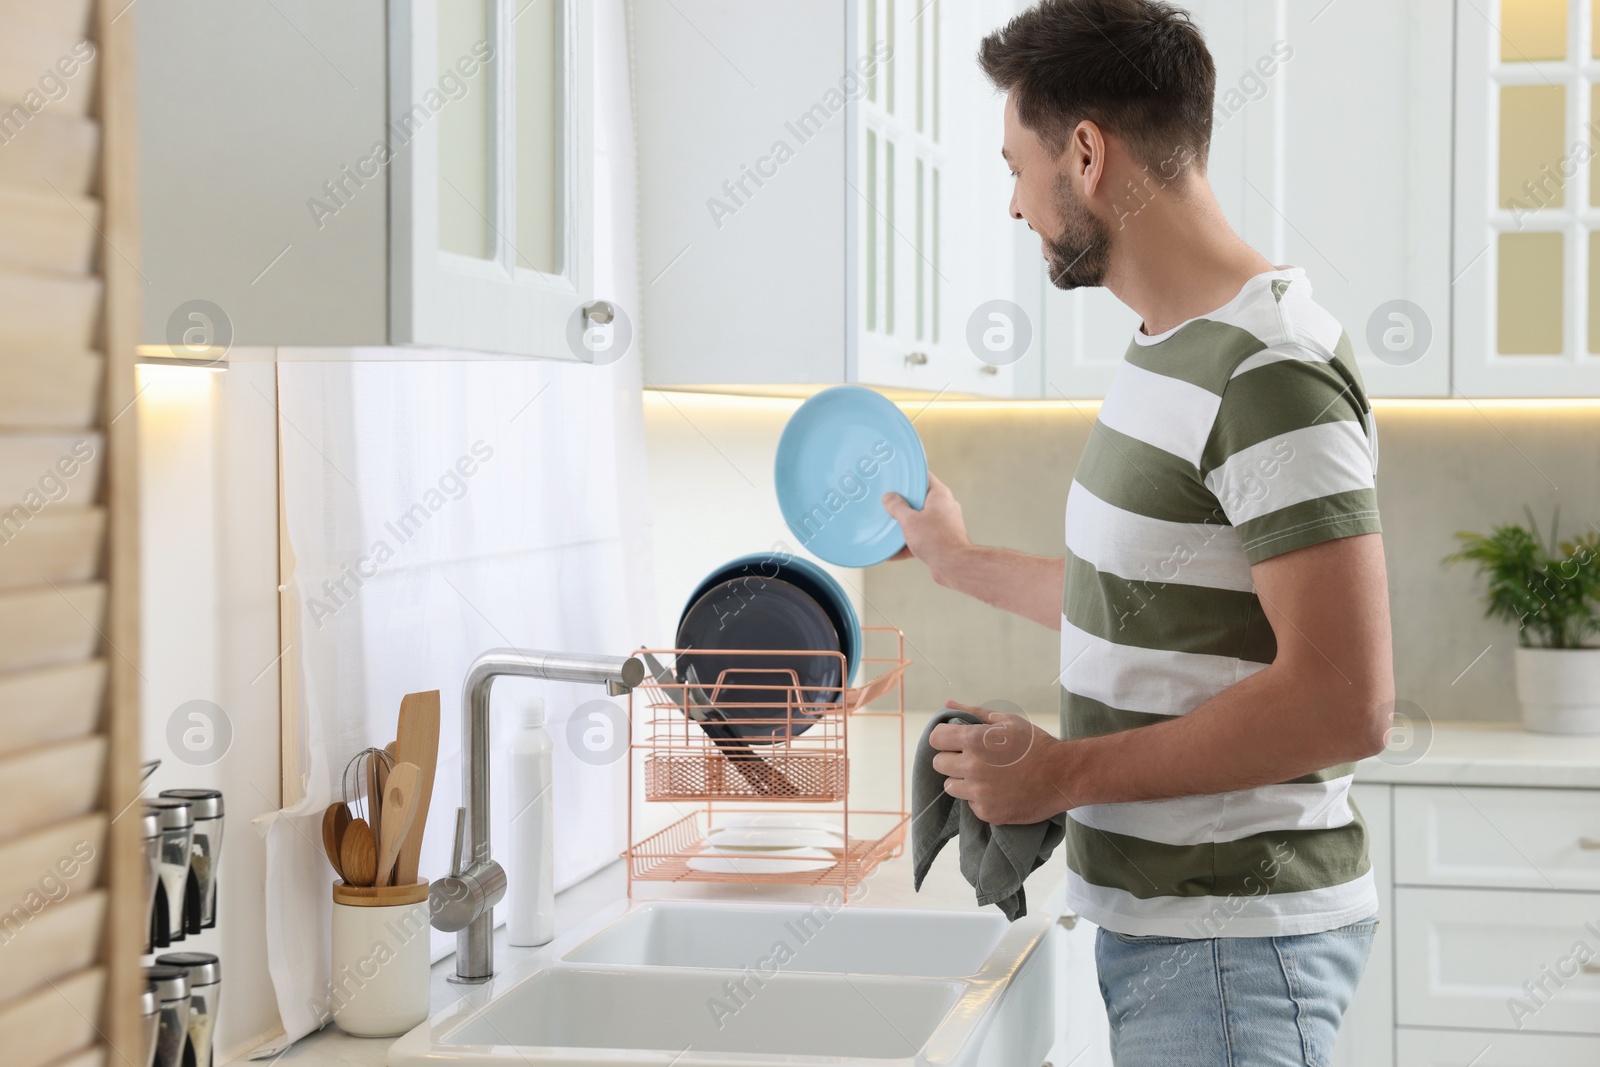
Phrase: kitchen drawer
[1462,957]
[1503,838]
[1458,1048]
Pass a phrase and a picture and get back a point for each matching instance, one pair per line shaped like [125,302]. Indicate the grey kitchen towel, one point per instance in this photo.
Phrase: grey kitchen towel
[995,860]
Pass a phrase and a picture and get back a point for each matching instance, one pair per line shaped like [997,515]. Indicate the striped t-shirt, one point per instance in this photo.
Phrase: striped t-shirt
[1227,440]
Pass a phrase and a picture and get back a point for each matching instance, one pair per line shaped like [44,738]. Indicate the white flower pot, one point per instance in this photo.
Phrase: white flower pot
[1559,689]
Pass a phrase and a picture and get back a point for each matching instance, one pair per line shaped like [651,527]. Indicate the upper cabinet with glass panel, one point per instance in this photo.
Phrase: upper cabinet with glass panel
[822,198]
[1527,199]
[414,174]
[1330,151]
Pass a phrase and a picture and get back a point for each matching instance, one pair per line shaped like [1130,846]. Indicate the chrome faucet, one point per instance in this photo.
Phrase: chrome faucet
[464,901]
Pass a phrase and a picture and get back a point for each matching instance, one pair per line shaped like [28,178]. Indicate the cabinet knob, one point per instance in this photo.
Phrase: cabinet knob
[1589,844]
[990,369]
[1069,920]
[599,313]
[916,359]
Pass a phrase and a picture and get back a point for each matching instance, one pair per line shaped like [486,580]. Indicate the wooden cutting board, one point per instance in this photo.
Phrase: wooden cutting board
[417,742]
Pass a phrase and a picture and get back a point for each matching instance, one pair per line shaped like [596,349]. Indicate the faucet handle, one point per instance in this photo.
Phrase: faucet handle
[458,860]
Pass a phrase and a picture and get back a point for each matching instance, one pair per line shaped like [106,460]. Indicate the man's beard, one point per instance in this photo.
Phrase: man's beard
[1080,256]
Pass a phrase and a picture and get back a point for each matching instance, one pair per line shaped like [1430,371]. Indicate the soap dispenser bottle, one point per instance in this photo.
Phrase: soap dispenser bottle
[531,883]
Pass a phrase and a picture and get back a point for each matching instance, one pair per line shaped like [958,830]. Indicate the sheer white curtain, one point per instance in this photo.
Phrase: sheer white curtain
[434,511]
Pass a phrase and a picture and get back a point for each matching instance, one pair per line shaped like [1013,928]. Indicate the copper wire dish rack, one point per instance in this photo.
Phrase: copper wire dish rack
[803,769]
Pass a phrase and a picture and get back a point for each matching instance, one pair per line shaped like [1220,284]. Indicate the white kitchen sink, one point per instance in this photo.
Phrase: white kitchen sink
[911,944]
[582,1008]
[725,985]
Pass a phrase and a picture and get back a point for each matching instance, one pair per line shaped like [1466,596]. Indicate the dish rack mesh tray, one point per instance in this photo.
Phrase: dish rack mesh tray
[666,855]
[807,756]
[802,759]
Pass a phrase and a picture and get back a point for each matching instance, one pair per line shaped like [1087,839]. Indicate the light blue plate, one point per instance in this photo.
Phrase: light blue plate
[841,451]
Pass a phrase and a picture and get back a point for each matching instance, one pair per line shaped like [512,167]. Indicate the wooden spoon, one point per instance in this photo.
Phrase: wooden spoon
[357,856]
[335,821]
[418,742]
[399,808]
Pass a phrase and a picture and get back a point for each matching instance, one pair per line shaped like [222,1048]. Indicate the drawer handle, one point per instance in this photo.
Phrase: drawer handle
[916,359]
[1589,844]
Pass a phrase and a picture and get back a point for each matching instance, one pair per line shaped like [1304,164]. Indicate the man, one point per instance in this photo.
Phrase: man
[1225,653]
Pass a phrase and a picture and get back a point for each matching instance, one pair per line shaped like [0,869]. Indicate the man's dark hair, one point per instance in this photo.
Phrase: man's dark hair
[1139,69]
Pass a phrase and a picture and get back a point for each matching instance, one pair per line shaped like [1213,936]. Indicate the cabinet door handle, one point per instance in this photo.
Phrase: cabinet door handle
[989,369]
[1069,920]
[916,359]
[1589,844]
[1590,968]
[599,312]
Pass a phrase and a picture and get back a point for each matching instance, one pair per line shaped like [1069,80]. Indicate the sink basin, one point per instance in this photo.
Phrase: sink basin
[581,1008]
[838,940]
[756,985]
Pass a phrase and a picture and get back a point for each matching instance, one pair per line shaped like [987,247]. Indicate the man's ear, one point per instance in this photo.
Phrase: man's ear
[1085,156]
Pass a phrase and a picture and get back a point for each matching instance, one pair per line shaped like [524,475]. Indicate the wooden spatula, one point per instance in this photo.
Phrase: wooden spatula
[399,809]
[335,821]
[358,858]
[417,742]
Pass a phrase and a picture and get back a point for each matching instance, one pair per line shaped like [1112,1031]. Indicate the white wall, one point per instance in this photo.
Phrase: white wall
[208,525]
[712,491]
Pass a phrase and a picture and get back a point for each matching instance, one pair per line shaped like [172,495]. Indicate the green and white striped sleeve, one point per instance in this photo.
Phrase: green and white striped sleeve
[1292,454]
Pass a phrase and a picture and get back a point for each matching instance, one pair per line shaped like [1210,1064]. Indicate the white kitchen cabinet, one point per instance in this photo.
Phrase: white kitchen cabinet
[1527,234]
[1461,1048]
[1499,838]
[1336,168]
[1478,958]
[1366,1037]
[1488,900]
[816,206]
[416,173]
[1083,1034]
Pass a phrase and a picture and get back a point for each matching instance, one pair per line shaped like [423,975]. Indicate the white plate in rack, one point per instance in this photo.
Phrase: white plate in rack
[748,838]
[777,820]
[779,861]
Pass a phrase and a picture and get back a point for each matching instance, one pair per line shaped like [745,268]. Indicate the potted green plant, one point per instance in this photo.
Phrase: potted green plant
[1551,591]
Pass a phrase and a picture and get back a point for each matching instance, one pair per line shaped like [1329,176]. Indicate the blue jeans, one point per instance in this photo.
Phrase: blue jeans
[1229,1001]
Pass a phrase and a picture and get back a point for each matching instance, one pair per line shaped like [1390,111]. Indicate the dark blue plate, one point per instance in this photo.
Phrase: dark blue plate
[805,576]
[772,617]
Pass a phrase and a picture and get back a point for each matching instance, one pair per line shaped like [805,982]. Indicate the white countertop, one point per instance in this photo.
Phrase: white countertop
[1456,753]
[1494,754]
[889,886]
